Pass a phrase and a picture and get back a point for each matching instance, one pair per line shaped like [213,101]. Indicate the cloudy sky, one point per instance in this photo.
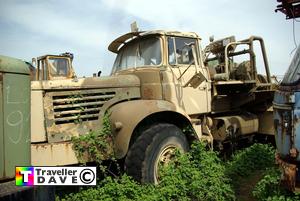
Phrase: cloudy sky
[30,28]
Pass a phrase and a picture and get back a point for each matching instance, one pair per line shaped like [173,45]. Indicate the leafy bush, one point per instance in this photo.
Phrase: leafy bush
[269,188]
[197,175]
[259,157]
[96,145]
[246,161]
[114,189]
[268,185]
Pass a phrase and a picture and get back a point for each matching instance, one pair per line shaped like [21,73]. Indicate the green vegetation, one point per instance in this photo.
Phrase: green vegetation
[258,157]
[75,99]
[96,145]
[268,188]
[197,175]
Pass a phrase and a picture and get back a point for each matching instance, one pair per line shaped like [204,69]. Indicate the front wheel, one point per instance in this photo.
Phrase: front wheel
[154,147]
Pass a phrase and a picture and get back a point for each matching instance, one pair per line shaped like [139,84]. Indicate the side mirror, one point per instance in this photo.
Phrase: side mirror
[196,80]
[33,61]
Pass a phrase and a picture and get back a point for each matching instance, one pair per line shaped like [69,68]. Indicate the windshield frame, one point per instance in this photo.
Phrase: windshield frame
[68,74]
[198,52]
[137,40]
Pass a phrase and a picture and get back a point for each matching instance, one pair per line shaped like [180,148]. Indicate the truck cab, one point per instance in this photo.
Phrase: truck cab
[53,67]
[207,85]
[165,62]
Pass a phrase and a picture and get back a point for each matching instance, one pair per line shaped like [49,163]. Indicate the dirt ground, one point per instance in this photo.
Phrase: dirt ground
[246,186]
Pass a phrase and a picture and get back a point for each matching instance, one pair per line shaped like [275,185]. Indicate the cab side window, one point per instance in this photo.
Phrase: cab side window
[180,50]
[42,71]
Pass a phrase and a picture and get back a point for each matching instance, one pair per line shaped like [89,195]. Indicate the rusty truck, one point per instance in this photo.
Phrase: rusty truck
[164,92]
[286,112]
[286,122]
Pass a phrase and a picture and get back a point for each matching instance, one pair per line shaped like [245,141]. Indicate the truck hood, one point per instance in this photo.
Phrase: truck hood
[118,81]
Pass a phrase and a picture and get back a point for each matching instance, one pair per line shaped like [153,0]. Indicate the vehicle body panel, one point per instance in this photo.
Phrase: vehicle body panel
[38,130]
[15,116]
[287,124]
[139,110]
[80,109]
[53,154]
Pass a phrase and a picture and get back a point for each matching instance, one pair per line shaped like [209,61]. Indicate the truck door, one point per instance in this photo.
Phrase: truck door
[182,67]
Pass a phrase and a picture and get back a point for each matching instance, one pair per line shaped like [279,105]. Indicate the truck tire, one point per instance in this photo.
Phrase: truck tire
[154,146]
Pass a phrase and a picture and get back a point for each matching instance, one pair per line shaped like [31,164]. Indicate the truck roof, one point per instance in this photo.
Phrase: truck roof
[51,55]
[12,65]
[120,41]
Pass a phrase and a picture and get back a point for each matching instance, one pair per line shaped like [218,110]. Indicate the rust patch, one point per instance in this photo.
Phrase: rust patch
[289,88]
[294,153]
[288,172]
[148,92]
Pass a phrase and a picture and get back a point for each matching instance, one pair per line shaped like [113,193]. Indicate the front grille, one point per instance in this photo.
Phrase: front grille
[79,106]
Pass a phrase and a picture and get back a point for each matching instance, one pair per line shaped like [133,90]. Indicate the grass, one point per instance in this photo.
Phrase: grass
[200,175]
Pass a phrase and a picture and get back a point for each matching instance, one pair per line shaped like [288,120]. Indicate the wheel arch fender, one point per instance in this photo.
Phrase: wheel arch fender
[128,117]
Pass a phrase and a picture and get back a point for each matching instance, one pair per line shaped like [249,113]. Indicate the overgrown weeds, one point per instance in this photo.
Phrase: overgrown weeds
[197,175]
[258,157]
[95,146]
[269,188]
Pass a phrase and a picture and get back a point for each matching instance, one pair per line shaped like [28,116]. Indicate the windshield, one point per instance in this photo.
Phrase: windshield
[139,53]
[292,75]
[58,66]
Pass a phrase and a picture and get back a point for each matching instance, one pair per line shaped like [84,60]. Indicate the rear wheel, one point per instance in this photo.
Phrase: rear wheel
[154,147]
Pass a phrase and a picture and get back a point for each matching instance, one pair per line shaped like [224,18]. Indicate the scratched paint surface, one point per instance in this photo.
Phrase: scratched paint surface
[287,122]
[282,122]
[16,120]
[296,122]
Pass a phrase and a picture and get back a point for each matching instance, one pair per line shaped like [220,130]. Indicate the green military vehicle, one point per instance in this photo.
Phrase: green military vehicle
[15,130]
[164,92]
